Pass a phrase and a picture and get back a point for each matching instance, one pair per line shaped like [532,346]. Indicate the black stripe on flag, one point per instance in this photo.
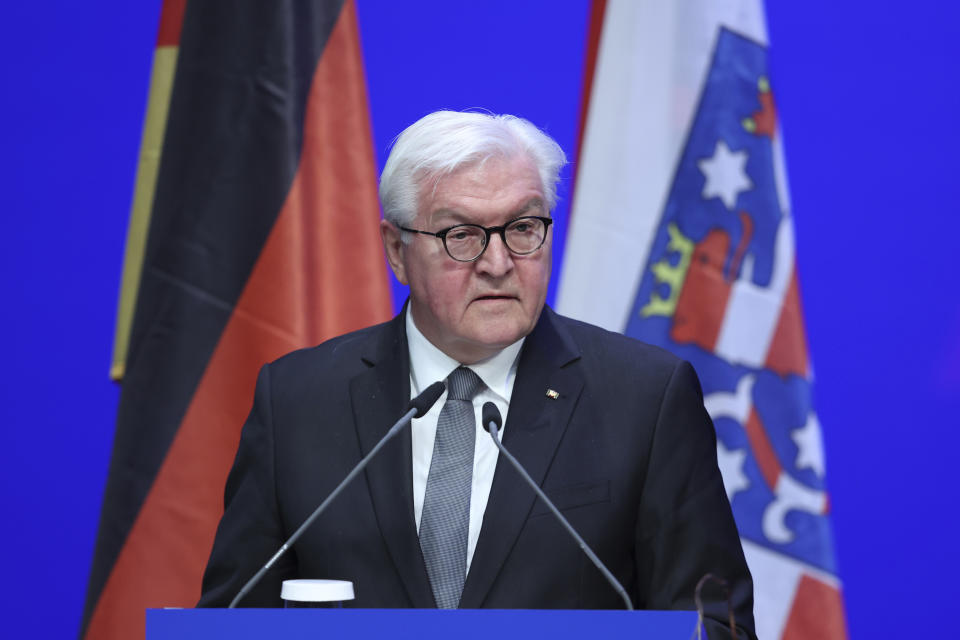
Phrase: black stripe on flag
[233,140]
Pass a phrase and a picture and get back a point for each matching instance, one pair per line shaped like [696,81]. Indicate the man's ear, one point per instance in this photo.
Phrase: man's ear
[393,247]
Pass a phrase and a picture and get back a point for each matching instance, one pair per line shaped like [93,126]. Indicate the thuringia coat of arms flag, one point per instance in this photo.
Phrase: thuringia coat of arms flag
[681,235]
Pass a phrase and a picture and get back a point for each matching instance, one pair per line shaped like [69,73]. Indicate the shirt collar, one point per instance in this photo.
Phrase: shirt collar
[429,364]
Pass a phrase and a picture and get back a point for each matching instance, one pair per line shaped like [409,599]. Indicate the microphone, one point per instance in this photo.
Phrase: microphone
[492,423]
[417,408]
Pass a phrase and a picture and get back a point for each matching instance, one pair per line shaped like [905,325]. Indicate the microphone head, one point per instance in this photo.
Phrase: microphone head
[490,414]
[423,402]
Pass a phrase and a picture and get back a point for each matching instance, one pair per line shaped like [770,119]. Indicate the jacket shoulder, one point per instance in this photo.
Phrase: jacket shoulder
[609,348]
[335,359]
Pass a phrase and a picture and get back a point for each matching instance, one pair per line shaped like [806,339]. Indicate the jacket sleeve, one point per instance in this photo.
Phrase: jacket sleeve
[250,531]
[685,528]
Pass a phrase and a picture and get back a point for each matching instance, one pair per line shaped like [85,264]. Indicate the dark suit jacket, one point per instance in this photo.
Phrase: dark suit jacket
[627,451]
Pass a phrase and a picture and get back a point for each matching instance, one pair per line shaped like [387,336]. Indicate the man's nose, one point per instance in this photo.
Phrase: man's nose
[496,259]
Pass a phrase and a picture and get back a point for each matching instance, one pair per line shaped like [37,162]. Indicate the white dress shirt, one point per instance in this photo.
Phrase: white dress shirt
[427,365]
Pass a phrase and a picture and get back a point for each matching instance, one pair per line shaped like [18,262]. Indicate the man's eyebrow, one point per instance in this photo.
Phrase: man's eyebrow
[532,203]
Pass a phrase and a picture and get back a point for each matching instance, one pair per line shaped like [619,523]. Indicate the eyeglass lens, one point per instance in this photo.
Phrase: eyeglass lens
[466,241]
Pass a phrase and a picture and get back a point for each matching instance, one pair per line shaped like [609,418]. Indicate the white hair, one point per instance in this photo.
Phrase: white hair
[445,141]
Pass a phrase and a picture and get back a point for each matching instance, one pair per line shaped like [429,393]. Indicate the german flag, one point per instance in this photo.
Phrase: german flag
[253,233]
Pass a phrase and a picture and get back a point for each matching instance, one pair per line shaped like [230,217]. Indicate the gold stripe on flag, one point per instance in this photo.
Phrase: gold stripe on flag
[151,145]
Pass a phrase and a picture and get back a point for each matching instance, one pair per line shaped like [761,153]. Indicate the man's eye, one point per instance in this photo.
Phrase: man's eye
[458,234]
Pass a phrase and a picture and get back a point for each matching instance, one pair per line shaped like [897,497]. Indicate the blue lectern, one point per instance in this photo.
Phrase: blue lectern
[415,624]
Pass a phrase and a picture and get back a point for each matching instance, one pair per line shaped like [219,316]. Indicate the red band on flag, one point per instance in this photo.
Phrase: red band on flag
[763,450]
[597,11]
[703,300]
[788,349]
[320,273]
[171,21]
[817,612]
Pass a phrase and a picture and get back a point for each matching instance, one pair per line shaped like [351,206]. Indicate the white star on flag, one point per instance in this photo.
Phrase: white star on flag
[726,174]
[809,445]
[731,468]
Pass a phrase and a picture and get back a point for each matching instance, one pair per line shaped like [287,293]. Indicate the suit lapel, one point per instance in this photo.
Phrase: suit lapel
[534,427]
[379,397]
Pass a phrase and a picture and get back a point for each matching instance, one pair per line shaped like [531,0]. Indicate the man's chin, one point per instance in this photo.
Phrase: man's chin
[495,338]
[481,343]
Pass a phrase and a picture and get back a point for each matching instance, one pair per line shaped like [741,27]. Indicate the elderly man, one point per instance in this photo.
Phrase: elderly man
[613,430]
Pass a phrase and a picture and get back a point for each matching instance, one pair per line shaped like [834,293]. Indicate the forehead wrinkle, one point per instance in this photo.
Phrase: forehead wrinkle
[536,202]
[456,204]
[428,178]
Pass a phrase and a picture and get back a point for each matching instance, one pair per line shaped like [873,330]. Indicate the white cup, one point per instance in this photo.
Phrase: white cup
[316,593]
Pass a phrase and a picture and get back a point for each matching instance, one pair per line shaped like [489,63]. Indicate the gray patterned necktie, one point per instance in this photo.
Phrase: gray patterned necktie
[445,520]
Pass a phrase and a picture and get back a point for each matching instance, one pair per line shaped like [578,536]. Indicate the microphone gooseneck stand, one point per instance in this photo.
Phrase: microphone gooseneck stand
[418,407]
[492,422]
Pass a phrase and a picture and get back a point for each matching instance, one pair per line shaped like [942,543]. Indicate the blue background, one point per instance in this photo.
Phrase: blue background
[868,100]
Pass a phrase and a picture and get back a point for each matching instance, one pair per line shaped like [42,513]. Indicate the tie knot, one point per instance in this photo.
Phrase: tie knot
[463,384]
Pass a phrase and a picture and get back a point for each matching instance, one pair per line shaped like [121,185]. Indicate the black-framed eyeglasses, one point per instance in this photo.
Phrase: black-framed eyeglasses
[467,242]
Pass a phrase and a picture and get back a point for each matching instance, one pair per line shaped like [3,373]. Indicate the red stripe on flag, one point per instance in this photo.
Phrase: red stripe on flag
[702,304]
[817,612]
[788,349]
[598,9]
[321,273]
[171,21]
[763,450]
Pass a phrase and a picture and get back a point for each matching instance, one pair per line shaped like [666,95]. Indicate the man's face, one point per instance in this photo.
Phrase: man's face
[471,310]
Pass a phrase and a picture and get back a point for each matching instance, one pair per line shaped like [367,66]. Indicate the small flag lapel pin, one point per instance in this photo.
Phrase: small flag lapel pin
[553,395]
